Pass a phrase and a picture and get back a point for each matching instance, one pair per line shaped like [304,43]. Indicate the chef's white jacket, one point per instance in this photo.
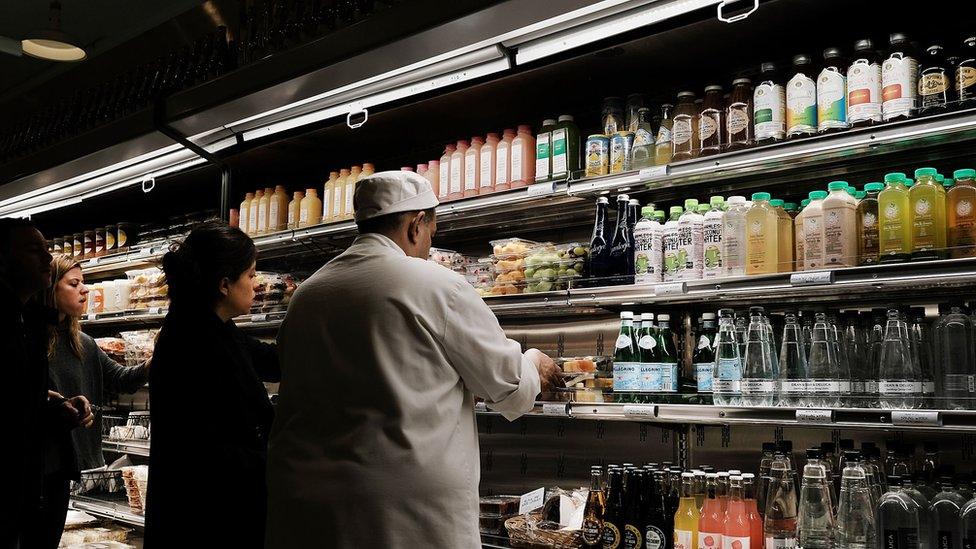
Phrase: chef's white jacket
[374,442]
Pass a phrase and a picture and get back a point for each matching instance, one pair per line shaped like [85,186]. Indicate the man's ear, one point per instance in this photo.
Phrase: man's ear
[413,229]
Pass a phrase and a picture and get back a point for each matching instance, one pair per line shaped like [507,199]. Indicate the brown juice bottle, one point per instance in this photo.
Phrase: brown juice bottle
[682,135]
[738,115]
[934,89]
[966,74]
[710,121]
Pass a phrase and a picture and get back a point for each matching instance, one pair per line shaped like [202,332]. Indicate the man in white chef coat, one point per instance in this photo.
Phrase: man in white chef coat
[374,442]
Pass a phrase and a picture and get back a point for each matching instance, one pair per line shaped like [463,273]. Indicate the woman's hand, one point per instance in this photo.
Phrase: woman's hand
[77,412]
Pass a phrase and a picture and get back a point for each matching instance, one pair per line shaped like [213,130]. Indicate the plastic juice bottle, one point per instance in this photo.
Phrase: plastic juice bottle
[368,170]
[503,161]
[339,195]
[543,151]
[472,167]
[894,221]
[864,85]
[801,99]
[687,516]
[737,532]
[456,190]
[762,242]
[488,164]
[252,213]
[264,208]
[813,234]
[444,178]
[784,237]
[961,213]
[245,213]
[734,236]
[354,175]
[524,161]
[712,229]
[328,192]
[295,209]
[434,176]
[711,522]
[647,236]
[565,148]
[669,241]
[662,145]
[839,226]
[310,208]
[927,203]
[422,170]
[832,93]
[867,226]
[278,210]
[690,242]
[800,239]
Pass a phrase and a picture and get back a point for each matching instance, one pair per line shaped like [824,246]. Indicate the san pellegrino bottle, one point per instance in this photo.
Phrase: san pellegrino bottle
[815,525]
[727,370]
[779,521]
[647,346]
[667,356]
[945,516]
[824,387]
[758,373]
[855,526]
[704,355]
[899,383]
[626,357]
[793,373]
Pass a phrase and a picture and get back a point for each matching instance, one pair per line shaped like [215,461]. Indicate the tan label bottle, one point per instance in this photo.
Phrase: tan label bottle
[245,213]
[339,195]
[278,210]
[784,237]
[813,235]
[348,208]
[252,213]
[264,209]
[328,192]
[311,208]
[294,209]
[961,206]
[762,236]
[839,227]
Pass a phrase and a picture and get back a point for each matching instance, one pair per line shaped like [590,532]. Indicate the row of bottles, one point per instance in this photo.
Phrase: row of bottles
[483,165]
[844,92]
[892,359]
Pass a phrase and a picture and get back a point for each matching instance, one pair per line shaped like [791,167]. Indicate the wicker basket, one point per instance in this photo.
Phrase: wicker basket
[521,535]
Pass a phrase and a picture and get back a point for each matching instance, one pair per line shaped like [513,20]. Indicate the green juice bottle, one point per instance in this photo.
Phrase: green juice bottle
[927,202]
[894,221]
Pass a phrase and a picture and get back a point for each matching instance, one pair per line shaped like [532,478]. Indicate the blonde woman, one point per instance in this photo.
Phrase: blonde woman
[76,367]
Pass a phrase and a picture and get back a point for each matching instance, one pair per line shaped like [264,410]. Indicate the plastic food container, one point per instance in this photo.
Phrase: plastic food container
[583,364]
[541,285]
[493,524]
[147,288]
[511,248]
[446,258]
[499,505]
[506,288]
[502,266]
[273,291]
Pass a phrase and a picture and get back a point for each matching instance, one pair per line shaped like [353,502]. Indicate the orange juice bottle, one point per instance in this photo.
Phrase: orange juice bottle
[354,174]
[444,178]
[339,195]
[488,164]
[710,522]
[264,208]
[503,161]
[523,157]
[245,213]
[472,167]
[762,231]
[295,208]
[278,210]
[457,171]
[252,212]
[310,209]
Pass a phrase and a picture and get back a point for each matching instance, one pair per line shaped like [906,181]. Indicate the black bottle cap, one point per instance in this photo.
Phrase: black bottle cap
[814,453]
[801,60]
[894,480]
[828,447]
[831,53]
[934,49]
[846,444]
[864,45]
[756,310]
[897,38]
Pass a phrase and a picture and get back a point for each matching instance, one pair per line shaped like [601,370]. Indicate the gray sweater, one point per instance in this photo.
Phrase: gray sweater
[91,375]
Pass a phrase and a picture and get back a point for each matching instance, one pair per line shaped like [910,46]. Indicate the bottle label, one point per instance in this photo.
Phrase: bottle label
[831,100]
[444,180]
[838,231]
[857,387]
[643,243]
[825,386]
[769,111]
[899,387]
[923,225]
[757,254]
[650,377]
[592,527]
[709,540]
[633,539]
[336,203]
[958,384]
[801,105]
[303,216]
[864,91]
[813,245]
[734,253]
[471,172]
[252,219]
[326,204]
[703,373]
[729,369]
[682,132]
[647,342]
[542,157]
[623,341]
[690,247]
[669,376]
[670,249]
[559,153]
[456,181]
[626,376]
[737,122]
[932,84]
[683,539]
[795,386]
[871,387]
[780,543]
[518,160]
[350,193]
[273,214]
[654,538]
[486,167]
[891,227]
[898,77]
[655,267]
[611,536]
[501,165]
[663,136]
[901,538]
[643,137]
[757,386]
[732,542]
[726,387]
[966,82]
[708,125]
[712,240]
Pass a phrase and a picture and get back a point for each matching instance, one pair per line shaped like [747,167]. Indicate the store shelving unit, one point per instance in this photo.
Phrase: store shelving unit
[131,447]
[114,507]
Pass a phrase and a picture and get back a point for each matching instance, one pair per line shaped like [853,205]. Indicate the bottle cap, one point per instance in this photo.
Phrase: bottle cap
[928,172]
[565,118]
[966,173]
[894,176]
[831,52]
[623,198]
[719,201]
[804,203]
[864,45]
[789,206]
[647,317]
[948,182]
[939,177]
[776,203]
[647,211]
[659,215]
[711,475]
[909,183]
[676,210]
[897,38]
[814,453]
[873,187]
[627,315]
[703,208]
[747,476]
[860,195]
[708,316]
[738,81]
[760,196]
[818,195]
[634,202]
[602,200]
[736,200]
[801,60]
[691,204]
[687,475]
[548,122]
[767,67]
[686,94]
[837,185]
[713,87]
[726,312]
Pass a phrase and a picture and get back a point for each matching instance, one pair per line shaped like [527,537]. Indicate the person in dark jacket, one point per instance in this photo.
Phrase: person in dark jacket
[217,451]
[31,411]
[76,366]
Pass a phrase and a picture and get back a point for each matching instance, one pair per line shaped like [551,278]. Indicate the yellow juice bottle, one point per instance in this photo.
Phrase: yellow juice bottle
[762,236]
[928,213]
[784,237]
[328,193]
[894,221]
[961,213]
[339,195]
[687,516]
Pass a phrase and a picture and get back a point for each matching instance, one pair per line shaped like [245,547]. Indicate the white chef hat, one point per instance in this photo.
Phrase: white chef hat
[392,192]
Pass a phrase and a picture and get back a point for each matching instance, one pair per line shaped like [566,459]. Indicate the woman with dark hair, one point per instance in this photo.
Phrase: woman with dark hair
[212,455]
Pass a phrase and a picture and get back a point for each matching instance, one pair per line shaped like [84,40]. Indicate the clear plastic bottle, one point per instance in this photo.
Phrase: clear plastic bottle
[798,235]
[669,239]
[954,343]
[945,517]
[899,382]
[923,340]
[922,503]
[780,518]
[758,370]
[793,373]
[712,229]
[742,333]
[734,236]
[898,518]
[727,373]
[815,522]
[690,242]
[855,526]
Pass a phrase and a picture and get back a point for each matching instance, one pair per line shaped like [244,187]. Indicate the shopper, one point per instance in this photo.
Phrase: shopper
[375,442]
[76,366]
[216,446]
[31,415]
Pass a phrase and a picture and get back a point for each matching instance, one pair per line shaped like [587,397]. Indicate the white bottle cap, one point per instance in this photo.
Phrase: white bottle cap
[736,200]
[708,316]
[627,315]
[723,473]
[664,316]
[748,475]
[736,477]
[687,475]
[647,317]
[711,475]
[735,472]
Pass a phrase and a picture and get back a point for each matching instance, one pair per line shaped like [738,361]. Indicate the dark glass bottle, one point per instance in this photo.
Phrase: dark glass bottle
[864,85]
[832,93]
[934,88]
[621,256]
[899,79]
[593,513]
[738,115]
[658,525]
[599,267]
[613,518]
[966,74]
[633,532]
[711,134]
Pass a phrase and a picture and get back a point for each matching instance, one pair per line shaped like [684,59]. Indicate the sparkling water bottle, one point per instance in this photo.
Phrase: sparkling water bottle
[855,527]
[727,373]
[758,379]
[815,523]
[779,520]
[899,383]
[824,368]
[793,373]
[954,342]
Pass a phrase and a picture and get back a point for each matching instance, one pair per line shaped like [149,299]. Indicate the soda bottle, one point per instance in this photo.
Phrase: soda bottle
[613,518]
[595,507]
[737,532]
[710,523]
[687,516]
[667,356]
[727,369]
[779,522]
[657,526]
[704,355]
[633,532]
[621,255]
[722,491]
[599,266]
[752,511]
[816,513]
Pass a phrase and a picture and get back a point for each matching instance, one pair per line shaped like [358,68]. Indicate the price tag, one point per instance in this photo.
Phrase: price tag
[480,407]
[672,288]
[93,261]
[654,172]
[813,278]
[532,501]
[640,410]
[814,416]
[552,409]
[91,316]
[916,417]
[542,189]
[261,317]
[145,252]
[155,310]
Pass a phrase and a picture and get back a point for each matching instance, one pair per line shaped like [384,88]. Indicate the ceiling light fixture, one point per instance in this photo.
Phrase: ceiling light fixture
[52,43]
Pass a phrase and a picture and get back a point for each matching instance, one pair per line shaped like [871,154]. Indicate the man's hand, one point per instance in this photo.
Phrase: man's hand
[549,373]
[77,412]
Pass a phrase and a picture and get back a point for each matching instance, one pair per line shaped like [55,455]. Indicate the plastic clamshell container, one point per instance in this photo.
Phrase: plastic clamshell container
[511,248]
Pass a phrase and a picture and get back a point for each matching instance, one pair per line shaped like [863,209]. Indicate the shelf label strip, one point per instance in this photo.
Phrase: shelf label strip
[672,288]
[555,409]
[916,417]
[640,410]
[813,278]
[654,172]
[815,416]
[542,189]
